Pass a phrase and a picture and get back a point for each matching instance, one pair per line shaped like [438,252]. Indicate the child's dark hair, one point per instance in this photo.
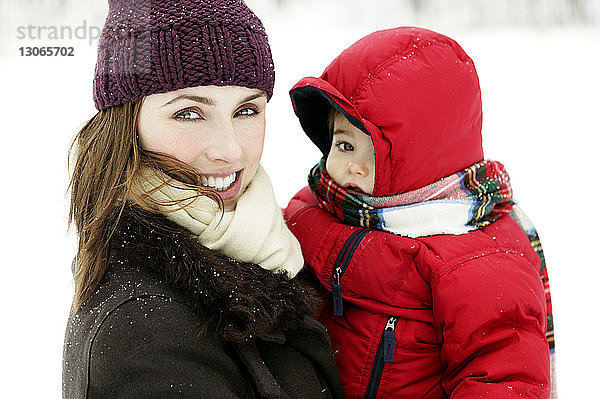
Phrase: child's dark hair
[331,117]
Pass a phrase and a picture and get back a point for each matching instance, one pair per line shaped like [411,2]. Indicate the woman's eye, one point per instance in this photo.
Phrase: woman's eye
[187,115]
[345,146]
[248,111]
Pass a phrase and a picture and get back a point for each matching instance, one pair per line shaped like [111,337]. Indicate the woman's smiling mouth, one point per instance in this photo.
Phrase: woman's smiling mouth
[219,182]
[226,184]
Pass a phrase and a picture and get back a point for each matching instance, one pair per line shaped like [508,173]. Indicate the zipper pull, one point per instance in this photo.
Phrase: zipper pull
[389,340]
[336,288]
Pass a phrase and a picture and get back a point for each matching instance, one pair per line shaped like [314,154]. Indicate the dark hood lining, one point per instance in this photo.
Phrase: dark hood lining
[312,107]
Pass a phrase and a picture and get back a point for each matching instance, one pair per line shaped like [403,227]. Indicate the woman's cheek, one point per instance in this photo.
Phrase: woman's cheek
[179,143]
[253,140]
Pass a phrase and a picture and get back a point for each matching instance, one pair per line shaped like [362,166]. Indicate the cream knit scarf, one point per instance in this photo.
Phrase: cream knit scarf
[254,232]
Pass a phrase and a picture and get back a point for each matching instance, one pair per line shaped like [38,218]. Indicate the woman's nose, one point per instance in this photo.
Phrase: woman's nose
[225,146]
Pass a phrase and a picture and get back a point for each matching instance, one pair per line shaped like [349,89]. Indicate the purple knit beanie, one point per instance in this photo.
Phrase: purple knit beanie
[156,46]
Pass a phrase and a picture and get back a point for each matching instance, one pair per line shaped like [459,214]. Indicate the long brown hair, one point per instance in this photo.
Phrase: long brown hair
[107,156]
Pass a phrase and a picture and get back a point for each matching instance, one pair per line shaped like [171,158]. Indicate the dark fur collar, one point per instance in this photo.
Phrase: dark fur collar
[240,300]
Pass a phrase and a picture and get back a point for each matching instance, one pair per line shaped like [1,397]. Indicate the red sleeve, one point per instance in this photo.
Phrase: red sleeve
[320,234]
[377,267]
[301,200]
[493,317]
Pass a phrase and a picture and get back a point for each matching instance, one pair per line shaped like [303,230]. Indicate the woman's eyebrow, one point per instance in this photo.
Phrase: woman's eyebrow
[209,101]
[252,97]
[198,99]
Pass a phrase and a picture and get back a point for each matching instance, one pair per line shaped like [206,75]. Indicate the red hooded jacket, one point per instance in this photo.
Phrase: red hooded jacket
[430,317]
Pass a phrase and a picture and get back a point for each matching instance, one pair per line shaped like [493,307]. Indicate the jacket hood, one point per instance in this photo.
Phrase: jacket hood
[414,91]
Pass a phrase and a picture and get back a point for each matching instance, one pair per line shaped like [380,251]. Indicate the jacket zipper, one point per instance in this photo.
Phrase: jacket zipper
[339,268]
[384,354]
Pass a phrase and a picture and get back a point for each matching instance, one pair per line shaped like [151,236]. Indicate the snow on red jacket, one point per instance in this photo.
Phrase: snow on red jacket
[432,317]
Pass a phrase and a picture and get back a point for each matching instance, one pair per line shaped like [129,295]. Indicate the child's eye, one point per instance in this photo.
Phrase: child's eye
[187,115]
[344,146]
[247,111]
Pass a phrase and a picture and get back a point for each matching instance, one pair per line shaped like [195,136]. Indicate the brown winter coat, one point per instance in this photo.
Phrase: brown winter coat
[173,319]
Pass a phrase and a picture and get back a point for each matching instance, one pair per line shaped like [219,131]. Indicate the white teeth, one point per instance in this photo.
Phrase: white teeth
[219,183]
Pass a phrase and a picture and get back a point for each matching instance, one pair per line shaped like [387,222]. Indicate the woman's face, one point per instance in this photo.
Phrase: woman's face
[217,130]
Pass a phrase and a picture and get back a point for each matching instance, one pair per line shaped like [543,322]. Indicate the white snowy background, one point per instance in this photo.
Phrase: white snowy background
[538,64]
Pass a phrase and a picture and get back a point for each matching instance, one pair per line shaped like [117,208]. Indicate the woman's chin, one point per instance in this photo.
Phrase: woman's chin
[229,206]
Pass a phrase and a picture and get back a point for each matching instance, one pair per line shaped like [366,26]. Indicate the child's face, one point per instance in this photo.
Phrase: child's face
[351,159]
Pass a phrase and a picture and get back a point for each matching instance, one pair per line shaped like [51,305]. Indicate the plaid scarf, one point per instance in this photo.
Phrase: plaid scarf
[467,200]
[464,201]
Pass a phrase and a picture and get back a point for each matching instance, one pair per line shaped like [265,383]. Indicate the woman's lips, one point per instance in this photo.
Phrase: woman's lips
[220,182]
